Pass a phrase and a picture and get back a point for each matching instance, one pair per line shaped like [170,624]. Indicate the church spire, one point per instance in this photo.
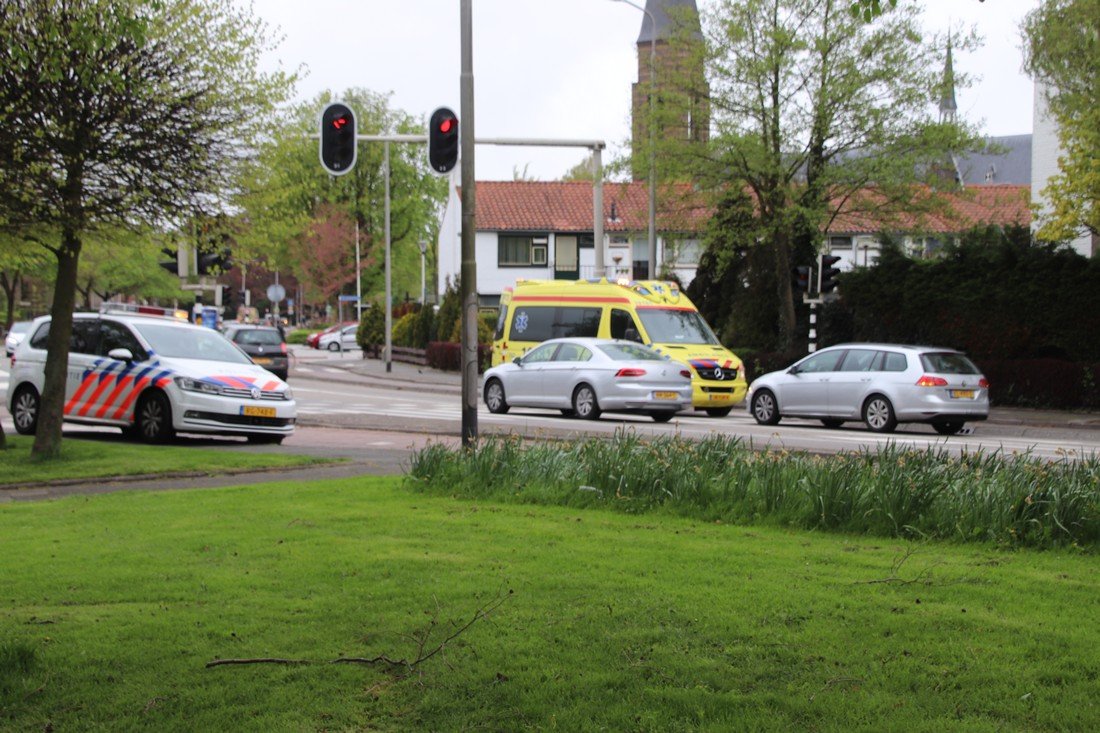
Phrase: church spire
[948,107]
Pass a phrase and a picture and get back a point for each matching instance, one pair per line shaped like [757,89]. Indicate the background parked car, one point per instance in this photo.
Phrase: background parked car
[880,384]
[15,335]
[265,344]
[332,341]
[314,339]
[583,377]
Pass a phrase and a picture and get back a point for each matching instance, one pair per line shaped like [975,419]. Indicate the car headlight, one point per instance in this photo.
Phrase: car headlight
[288,394]
[196,385]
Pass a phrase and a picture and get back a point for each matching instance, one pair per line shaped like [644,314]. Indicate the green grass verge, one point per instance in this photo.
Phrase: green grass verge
[615,622]
[894,492]
[110,456]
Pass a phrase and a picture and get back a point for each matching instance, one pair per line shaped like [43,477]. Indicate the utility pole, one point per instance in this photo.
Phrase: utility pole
[469,230]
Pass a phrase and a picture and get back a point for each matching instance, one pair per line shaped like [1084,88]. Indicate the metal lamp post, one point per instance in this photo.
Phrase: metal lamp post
[423,280]
[652,123]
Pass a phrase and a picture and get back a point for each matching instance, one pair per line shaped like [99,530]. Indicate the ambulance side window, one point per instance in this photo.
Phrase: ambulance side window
[623,326]
[502,320]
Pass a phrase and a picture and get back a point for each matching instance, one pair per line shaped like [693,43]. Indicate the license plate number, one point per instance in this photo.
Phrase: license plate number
[258,411]
[262,360]
[666,395]
[962,394]
[720,398]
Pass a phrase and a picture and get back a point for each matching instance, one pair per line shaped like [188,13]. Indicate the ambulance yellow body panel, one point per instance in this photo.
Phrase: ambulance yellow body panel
[651,312]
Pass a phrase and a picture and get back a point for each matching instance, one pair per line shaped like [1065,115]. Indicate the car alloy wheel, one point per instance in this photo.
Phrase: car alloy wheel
[24,411]
[334,346]
[154,418]
[878,414]
[494,397]
[764,408]
[585,404]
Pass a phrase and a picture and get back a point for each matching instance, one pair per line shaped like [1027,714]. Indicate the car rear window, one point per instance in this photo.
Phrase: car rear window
[947,363]
[630,352]
[258,336]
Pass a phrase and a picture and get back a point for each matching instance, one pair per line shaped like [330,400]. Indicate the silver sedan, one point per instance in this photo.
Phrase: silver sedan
[879,384]
[583,377]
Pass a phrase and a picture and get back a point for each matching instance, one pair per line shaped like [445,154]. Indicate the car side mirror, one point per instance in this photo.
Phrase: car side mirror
[794,370]
[518,361]
[121,355]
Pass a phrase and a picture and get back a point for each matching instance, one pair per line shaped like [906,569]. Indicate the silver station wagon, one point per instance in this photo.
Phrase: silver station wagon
[879,384]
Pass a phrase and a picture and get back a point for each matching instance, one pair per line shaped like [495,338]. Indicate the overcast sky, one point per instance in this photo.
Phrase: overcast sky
[563,68]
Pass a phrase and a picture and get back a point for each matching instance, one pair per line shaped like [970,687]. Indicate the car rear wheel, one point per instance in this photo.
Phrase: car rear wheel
[494,397]
[948,428]
[879,415]
[830,422]
[661,416]
[24,410]
[585,404]
[719,411]
[154,418]
[334,346]
[764,408]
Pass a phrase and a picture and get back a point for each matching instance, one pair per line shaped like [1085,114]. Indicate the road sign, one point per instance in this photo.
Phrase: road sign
[349,298]
[276,292]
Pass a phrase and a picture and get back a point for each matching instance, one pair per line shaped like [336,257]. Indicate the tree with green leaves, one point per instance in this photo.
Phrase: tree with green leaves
[1063,53]
[118,113]
[288,198]
[20,258]
[810,105]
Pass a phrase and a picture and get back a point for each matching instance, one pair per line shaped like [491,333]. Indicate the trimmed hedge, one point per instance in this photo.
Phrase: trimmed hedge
[447,356]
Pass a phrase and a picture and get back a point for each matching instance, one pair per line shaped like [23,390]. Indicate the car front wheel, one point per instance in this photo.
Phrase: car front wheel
[764,408]
[584,403]
[494,397]
[334,346]
[879,415]
[154,418]
[24,409]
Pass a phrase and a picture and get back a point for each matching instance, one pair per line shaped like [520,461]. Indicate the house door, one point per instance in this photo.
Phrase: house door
[565,258]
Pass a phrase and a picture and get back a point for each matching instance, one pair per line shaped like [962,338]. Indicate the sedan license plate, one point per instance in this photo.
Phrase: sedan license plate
[258,411]
[261,360]
[962,394]
[666,395]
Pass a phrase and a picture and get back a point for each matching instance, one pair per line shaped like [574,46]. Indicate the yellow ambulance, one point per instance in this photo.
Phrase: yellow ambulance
[648,311]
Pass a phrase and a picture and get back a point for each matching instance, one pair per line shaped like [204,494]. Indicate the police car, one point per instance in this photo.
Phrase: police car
[151,373]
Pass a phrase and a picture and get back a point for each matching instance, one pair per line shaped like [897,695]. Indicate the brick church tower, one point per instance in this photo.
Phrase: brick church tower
[681,101]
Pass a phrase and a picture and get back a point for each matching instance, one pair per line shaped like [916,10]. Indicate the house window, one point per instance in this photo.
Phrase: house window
[687,251]
[521,250]
[840,243]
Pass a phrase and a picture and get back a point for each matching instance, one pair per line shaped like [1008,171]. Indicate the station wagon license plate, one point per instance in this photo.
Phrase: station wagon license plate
[258,411]
[261,360]
[666,395]
[962,394]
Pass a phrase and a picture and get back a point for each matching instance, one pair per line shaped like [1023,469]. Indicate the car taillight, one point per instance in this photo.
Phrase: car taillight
[927,381]
[630,372]
[282,348]
[685,373]
[983,382]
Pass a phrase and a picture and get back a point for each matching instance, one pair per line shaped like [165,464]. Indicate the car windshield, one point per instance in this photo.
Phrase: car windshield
[190,343]
[669,326]
[948,363]
[630,352]
[20,327]
[264,337]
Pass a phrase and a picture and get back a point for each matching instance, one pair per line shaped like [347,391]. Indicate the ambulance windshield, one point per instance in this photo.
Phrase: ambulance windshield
[669,326]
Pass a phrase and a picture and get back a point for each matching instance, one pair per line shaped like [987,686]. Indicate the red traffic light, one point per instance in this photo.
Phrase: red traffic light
[446,124]
[443,140]
[339,122]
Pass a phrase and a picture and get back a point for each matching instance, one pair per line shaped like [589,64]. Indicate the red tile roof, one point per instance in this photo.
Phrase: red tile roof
[558,206]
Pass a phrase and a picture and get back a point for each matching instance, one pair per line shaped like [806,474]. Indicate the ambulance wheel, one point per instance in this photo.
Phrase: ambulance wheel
[153,418]
[585,404]
[24,409]
[494,397]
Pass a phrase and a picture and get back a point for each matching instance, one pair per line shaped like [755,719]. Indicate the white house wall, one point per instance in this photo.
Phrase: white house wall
[1045,149]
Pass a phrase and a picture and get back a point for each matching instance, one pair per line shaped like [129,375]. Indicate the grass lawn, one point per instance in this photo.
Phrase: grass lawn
[113,605]
[110,456]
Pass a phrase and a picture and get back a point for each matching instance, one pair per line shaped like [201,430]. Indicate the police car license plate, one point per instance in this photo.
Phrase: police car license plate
[666,395]
[962,394]
[258,411]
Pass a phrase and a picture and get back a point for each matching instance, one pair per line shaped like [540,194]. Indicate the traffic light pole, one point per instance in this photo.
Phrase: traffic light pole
[469,263]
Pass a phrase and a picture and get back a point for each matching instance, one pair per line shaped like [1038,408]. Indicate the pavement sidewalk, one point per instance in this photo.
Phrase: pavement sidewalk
[410,376]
